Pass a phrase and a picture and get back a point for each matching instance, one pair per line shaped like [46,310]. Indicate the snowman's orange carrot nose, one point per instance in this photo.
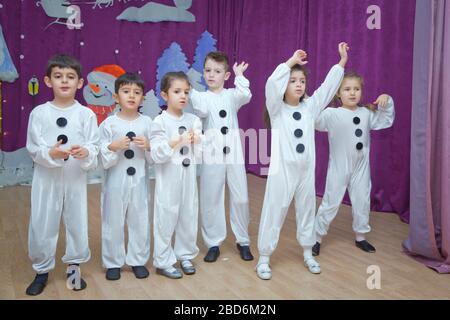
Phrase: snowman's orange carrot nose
[94,87]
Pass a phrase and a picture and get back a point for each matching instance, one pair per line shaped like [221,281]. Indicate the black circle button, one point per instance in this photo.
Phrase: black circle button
[62,137]
[131,171]
[297,115]
[186,162]
[298,133]
[61,122]
[129,154]
[300,148]
[224,130]
[356,120]
[359,146]
[222,113]
[181,130]
[226,150]
[131,135]
[358,132]
[184,150]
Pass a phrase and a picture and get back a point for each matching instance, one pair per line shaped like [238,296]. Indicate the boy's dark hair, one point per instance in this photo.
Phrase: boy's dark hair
[169,77]
[63,61]
[129,78]
[219,57]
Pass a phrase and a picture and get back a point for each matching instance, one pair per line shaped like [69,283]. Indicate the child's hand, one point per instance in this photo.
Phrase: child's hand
[343,48]
[57,153]
[239,69]
[382,101]
[186,138]
[298,57]
[142,142]
[120,144]
[195,138]
[78,152]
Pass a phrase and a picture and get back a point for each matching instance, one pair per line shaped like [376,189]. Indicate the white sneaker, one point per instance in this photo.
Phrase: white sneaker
[312,265]
[263,271]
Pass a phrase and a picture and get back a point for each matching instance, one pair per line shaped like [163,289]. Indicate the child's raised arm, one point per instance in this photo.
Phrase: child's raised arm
[325,93]
[242,94]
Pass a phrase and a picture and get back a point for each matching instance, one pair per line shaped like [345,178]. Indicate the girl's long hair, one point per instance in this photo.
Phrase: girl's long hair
[352,75]
[296,67]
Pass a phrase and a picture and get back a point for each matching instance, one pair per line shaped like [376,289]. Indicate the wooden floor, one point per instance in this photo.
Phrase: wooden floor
[344,267]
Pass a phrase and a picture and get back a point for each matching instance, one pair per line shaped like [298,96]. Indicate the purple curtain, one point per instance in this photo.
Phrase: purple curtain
[429,234]
[263,33]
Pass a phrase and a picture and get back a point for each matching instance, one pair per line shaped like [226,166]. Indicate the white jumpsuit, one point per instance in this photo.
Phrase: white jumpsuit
[59,186]
[292,165]
[125,193]
[223,161]
[176,196]
[348,165]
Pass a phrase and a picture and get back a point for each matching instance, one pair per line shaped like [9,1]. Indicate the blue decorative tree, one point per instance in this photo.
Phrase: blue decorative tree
[8,71]
[205,45]
[172,59]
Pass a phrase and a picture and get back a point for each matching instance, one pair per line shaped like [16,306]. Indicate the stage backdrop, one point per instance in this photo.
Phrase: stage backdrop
[263,33]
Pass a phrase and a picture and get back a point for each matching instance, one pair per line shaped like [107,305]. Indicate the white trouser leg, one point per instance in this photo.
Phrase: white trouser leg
[305,209]
[46,208]
[113,221]
[334,193]
[76,222]
[239,210]
[359,192]
[212,204]
[138,223]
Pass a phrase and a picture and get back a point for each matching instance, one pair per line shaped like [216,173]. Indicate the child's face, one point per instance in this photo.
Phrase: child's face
[215,74]
[64,82]
[350,92]
[296,86]
[129,97]
[178,94]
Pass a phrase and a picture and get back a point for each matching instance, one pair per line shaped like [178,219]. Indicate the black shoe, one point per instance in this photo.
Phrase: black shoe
[245,252]
[38,284]
[212,255]
[140,272]
[365,246]
[77,286]
[113,274]
[316,249]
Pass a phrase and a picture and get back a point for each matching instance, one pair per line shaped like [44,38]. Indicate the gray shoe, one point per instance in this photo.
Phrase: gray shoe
[171,272]
[187,267]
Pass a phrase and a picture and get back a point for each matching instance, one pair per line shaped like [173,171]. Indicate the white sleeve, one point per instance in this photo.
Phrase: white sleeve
[198,103]
[37,146]
[383,117]
[161,151]
[325,93]
[198,148]
[92,141]
[109,157]
[323,120]
[241,93]
[276,86]
[148,154]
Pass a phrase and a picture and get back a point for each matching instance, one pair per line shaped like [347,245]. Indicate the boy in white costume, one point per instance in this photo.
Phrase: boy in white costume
[176,143]
[125,154]
[223,159]
[291,171]
[348,130]
[62,140]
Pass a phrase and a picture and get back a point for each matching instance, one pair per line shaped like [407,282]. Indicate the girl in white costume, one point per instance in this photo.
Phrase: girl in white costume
[62,140]
[291,171]
[348,130]
[125,154]
[176,140]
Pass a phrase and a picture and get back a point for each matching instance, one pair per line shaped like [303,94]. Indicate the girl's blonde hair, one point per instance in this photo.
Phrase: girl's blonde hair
[352,75]
[296,67]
